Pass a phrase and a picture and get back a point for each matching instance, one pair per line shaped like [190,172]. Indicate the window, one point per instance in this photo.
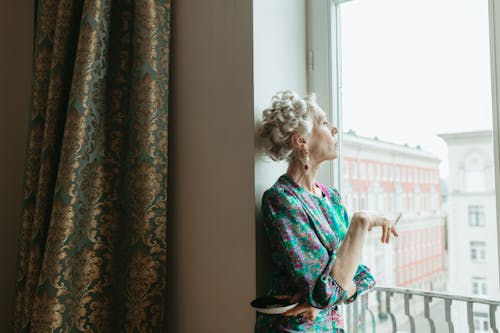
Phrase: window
[372,203]
[355,202]
[387,46]
[346,169]
[476,216]
[478,251]
[479,286]
[362,170]
[481,322]
[354,170]
[362,201]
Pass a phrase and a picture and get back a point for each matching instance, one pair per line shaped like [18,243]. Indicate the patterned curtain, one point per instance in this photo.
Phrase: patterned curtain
[93,235]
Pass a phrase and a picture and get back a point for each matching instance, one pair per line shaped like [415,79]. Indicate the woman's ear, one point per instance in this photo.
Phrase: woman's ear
[299,142]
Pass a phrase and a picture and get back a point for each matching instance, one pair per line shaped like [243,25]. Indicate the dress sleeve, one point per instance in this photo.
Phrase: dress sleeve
[364,281]
[298,249]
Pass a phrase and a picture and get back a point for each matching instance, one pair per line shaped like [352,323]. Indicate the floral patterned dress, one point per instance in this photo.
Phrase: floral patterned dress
[305,232]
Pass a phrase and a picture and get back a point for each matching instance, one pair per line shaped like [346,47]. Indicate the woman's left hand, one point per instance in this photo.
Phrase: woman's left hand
[303,310]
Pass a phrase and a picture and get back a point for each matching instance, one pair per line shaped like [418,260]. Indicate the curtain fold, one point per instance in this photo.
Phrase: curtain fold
[92,249]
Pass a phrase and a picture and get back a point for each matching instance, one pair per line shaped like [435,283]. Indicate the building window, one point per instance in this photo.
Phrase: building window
[479,286]
[362,170]
[481,322]
[372,203]
[362,201]
[346,169]
[476,216]
[370,171]
[478,251]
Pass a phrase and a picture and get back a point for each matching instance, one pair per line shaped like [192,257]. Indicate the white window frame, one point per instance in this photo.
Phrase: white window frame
[481,320]
[479,249]
[324,78]
[494,15]
[479,212]
[482,286]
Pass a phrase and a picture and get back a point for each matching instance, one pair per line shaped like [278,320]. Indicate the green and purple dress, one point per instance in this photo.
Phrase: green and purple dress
[304,232]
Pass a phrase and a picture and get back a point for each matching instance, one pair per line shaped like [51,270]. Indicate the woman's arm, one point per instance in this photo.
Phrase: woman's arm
[350,250]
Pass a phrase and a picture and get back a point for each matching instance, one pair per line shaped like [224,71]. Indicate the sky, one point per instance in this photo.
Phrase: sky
[413,69]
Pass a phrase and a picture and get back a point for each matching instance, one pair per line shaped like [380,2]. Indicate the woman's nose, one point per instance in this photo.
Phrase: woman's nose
[334,130]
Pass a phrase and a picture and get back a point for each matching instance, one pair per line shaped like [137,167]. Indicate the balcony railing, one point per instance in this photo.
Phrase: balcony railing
[388,309]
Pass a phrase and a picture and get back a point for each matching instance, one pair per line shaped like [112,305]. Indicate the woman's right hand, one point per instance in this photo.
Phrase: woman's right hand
[376,219]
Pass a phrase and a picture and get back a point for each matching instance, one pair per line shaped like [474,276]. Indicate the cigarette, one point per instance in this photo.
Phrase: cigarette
[397,219]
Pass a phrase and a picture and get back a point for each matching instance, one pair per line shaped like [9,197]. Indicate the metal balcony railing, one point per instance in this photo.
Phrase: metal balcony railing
[389,309]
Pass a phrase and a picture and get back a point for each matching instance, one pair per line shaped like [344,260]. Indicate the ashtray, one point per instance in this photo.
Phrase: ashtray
[273,304]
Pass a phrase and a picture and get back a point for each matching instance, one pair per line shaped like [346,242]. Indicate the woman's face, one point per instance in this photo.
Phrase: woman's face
[323,144]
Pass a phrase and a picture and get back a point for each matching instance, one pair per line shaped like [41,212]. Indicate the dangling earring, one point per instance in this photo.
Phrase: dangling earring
[306,164]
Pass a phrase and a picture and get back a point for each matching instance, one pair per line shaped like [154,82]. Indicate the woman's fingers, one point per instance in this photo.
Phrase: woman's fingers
[387,234]
[394,231]
[387,231]
[296,310]
[303,310]
[310,314]
[384,230]
[380,220]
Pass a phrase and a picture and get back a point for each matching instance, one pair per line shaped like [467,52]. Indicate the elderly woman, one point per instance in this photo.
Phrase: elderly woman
[316,250]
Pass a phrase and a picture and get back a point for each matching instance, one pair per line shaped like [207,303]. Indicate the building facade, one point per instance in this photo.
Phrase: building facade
[391,178]
[472,232]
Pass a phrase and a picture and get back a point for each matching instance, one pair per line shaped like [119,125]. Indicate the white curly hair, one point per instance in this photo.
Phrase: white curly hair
[287,115]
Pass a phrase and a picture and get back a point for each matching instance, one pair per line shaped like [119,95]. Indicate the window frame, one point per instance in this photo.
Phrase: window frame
[478,248]
[494,15]
[478,214]
[482,286]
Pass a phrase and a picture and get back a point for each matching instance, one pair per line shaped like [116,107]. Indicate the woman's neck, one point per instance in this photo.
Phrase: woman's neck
[307,181]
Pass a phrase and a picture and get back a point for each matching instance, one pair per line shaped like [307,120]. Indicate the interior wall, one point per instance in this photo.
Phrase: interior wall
[16,35]
[279,64]
[211,235]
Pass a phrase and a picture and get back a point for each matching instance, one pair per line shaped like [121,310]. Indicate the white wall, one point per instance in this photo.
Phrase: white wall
[279,64]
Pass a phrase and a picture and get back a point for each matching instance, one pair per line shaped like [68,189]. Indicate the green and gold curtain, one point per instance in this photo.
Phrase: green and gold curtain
[92,255]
